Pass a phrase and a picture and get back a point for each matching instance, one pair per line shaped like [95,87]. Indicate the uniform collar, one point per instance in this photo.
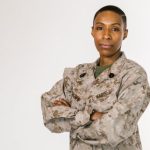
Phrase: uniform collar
[114,69]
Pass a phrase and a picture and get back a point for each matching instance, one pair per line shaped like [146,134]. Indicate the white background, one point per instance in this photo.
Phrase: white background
[38,39]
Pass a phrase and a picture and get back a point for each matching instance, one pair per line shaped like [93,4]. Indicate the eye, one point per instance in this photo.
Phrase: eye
[99,28]
[115,29]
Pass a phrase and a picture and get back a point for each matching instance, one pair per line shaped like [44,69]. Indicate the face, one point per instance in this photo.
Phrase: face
[108,32]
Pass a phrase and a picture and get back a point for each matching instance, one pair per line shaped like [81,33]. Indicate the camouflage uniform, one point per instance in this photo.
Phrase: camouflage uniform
[121,92]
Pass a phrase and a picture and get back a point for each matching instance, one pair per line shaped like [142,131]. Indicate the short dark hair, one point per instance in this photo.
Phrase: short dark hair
[114,9]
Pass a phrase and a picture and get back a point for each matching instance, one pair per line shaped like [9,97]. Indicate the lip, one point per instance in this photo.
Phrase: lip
[105,46]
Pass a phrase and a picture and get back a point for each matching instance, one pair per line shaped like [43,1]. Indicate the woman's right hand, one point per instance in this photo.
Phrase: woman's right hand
[61,102]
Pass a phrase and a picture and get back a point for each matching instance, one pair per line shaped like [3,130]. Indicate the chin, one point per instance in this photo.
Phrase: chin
[105,53]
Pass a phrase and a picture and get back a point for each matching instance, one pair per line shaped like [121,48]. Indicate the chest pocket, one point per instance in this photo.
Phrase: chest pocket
[104,95]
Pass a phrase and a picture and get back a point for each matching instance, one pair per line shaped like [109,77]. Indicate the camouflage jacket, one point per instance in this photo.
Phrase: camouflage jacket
[121,92]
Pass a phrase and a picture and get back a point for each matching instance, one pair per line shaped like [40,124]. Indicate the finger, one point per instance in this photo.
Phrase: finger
[57,103]
[61,102]
[65,103]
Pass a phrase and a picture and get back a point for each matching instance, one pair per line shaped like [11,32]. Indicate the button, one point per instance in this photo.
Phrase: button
[111,75]
[82,75]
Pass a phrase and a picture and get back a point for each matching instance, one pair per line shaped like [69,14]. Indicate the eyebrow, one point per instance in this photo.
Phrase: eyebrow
[111,24]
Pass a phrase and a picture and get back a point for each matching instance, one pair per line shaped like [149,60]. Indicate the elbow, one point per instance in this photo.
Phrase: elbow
[43,97]
[114,142]
[53,127]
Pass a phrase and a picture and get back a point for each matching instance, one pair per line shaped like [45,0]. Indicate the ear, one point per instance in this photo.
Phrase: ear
[92,31]
[125,34]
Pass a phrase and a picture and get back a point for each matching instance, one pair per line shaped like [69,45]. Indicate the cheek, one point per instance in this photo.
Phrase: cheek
[118,39]
[97,37]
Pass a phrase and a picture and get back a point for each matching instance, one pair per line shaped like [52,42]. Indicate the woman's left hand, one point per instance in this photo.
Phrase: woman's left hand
[96,115]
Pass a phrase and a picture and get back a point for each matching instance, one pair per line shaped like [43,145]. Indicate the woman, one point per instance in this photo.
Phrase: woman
[100,103]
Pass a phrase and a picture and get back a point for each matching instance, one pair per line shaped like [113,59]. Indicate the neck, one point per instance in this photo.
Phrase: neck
[109,60]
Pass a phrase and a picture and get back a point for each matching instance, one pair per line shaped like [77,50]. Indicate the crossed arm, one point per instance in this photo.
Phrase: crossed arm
[94,116]
[118,124]
[58,116]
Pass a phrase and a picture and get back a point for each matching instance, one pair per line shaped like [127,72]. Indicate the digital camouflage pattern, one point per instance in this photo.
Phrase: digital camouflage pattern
[122,98]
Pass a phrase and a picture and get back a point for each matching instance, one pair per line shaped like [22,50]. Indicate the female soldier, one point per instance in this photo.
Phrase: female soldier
[100,103]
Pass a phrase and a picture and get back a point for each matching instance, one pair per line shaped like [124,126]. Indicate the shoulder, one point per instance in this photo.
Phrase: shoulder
[134,68]
[133,74]
[79,69]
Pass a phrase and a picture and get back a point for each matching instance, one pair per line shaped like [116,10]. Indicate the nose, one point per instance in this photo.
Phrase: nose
[107,34]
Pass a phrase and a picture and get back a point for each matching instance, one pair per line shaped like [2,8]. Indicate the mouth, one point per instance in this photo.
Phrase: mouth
[105,46]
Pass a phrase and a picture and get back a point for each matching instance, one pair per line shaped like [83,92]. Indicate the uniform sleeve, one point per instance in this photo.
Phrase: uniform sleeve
[57,118]
[121,121]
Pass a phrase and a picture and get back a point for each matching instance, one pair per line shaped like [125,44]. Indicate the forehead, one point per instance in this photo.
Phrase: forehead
[108,17]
